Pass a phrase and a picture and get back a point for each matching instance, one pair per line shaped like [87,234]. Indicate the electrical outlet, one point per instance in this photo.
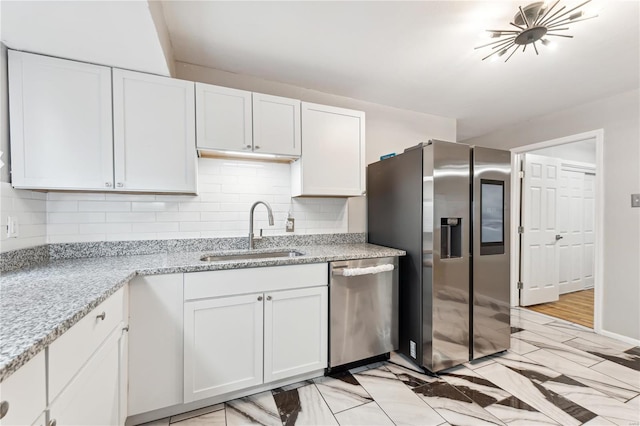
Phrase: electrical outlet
[635,200]
[291,224]
[12,227]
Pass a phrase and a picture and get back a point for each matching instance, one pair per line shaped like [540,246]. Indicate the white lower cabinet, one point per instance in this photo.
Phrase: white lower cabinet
[295,332]
[155,342]
[23,394]
[276,330]
[222,345]
[92,397]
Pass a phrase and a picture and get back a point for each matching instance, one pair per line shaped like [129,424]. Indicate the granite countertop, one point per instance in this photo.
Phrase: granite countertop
[39,303]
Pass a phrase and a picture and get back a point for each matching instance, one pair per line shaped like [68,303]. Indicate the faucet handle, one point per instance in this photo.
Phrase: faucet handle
[258,237]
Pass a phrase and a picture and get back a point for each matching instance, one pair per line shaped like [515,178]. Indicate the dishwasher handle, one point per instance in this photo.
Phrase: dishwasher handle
[353,272]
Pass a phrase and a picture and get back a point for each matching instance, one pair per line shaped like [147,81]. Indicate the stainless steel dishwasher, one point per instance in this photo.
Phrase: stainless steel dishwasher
[363,309]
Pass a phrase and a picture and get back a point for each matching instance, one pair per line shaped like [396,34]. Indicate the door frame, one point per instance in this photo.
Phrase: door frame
[516,156]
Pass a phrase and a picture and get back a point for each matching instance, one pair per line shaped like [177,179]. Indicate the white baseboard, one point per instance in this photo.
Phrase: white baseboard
[616,336]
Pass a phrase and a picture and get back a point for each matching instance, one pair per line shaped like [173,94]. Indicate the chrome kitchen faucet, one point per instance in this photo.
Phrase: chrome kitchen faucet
[253,207]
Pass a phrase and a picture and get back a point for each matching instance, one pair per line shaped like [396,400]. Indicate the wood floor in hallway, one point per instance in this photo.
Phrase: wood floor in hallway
[576,307]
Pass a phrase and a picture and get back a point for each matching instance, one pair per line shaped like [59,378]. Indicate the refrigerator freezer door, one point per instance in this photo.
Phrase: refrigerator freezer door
[491,291]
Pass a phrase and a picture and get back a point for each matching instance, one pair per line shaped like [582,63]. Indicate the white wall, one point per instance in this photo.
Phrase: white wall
[619,116]
[387,129]
[227,189]
[583,151]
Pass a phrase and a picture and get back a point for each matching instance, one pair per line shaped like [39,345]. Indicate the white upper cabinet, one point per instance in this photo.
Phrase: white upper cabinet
[224,118]
[276,125]
[239,121]
[77,126]
[60,123]
[154,133]
[333,157]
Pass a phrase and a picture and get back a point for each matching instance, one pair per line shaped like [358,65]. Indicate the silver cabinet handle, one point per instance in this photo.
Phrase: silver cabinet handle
[559,237]
[125,328]
[247,147]
[101,316]
[259,298]
[107,184]
[4,408]
[268,297]
[52,422]
[119,184]
[257,147]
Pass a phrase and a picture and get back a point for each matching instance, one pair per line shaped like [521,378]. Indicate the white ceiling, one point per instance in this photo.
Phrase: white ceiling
[413,55]
[115,33]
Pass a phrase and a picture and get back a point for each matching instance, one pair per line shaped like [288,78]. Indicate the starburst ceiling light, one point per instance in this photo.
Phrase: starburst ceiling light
[534,23]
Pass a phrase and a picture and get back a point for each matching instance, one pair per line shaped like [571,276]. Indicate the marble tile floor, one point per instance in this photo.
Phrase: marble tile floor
[556,373]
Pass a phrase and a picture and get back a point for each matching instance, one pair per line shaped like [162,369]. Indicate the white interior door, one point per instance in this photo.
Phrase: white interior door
[576,210]
[539,245]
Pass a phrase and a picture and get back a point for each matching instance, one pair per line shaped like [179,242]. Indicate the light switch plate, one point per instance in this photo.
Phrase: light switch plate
[635,200]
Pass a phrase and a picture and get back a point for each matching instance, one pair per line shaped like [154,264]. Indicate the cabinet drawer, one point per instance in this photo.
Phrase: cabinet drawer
[200,285]
[72,350]
[92,396]
[24,391]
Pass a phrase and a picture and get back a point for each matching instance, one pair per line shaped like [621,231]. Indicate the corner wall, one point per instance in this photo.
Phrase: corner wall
[619,116]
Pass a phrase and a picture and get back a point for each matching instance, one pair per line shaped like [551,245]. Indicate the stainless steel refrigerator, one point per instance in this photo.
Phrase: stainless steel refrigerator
[447,205]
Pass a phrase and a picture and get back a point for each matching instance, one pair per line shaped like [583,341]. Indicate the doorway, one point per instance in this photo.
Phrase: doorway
[558,258]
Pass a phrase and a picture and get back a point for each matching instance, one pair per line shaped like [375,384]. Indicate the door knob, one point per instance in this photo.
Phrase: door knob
[559,237]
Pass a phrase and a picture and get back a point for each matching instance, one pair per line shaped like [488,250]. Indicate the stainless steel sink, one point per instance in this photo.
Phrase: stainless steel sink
[249,256]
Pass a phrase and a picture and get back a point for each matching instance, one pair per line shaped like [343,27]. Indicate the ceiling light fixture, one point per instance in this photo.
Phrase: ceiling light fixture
[533,23]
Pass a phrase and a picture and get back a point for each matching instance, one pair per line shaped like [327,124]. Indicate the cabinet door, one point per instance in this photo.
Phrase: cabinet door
[154,133]
[295,332]
[61,135]
[155,345]
[92,396]
[222,345]
[276,125]
[223,118]
[333,160]
[24,393]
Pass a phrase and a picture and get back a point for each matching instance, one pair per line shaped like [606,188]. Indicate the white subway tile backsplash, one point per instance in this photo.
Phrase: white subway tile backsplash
[178,216]
[62,206]
[104,206]
[131,217]
[72,217]
[156,227]
[193,206]
[28,209]
[74,238]
[80,196]
[132,236]
[199,226]
[104,228]
[154,206]
[62,228]
[227,189]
